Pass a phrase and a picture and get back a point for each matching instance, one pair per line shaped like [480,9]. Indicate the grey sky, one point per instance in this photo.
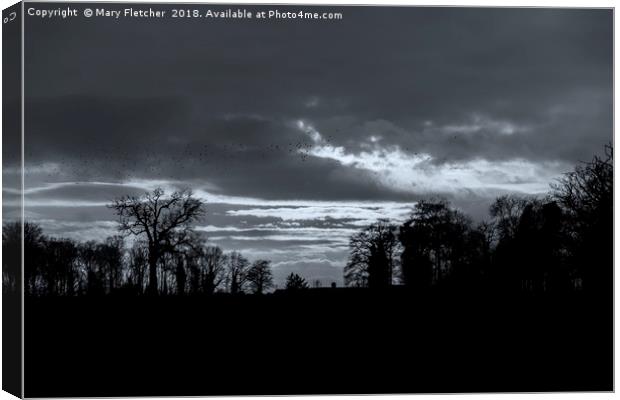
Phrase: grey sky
[299,132]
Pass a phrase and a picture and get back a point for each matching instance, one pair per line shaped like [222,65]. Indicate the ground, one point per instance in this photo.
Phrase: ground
[319,341]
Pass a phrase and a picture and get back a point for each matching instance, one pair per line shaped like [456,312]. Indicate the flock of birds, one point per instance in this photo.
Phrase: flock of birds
[118,159]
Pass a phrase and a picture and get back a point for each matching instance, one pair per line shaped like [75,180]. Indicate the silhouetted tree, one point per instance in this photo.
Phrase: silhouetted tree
[11,257]
[100,266]
[180,250]
[558,272]
[111,257]
[586,197]
[237,272]
[259,276]
[435,242]
[167,277]
[163,220]
[529,255]
[552,244]
[34,248]
[194,271]
[536,251]
[372,256]
[488,230]
[416,264]
[180,273]
[207,269]
[138,266]
[295,282]
[472,265]
[59,267]
[214,270]
[90,267]
[506,212]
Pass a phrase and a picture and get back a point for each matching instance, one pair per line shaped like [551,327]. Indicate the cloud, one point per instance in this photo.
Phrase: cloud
[489,81]
[479,123]
[420,174]
[359,215]
[79,231]
[305,232]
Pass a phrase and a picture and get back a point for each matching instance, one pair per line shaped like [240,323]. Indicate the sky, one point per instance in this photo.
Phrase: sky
[299,133]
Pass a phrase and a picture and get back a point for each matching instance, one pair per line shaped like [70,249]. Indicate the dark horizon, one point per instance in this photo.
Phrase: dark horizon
[555,243]
[298,267]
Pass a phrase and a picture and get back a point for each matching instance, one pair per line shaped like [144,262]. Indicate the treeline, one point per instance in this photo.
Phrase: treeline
[64,267]
[157,253]
[561,242]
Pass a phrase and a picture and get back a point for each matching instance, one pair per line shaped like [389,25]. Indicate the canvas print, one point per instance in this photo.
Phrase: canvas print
[239,199]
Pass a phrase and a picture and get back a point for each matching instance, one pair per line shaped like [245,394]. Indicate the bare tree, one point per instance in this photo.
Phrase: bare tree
[111,256]
[237,272]
[165,221]
[586,193]
[59,267]
[586,197]
[11,259]
[489,232]
[260,277]
[180,273]
[212,263]
[138,264]
[372,256]
[506,212]
[34,247]
[89,267]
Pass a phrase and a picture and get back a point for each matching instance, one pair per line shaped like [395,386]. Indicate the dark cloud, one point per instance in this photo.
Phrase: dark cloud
[386,70]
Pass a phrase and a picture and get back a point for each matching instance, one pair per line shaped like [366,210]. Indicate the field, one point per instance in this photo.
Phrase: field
[317,341]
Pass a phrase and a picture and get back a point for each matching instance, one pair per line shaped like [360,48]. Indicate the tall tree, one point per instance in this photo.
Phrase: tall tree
[434,243]
[237,272]
[506,212]
[507,219]
[534,251]
[372,256]
[11,258]
[207,268]
[59,267]
[111,253]
[260,277]
[138,265]
[180,273]
[586,196]
[213,268]
[165,222]
[34,247]
[93,278]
